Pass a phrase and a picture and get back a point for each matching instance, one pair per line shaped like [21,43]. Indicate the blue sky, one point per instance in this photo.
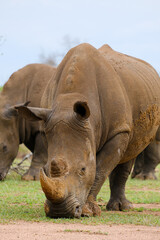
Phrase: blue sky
[30,28]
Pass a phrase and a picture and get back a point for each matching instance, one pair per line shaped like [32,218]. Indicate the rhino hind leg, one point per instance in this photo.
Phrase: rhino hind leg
[146,164]
[39,159]
[117,179]
[138,165]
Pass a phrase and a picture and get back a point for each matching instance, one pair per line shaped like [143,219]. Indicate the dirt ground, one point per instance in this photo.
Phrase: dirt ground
[50,231]
[22,230]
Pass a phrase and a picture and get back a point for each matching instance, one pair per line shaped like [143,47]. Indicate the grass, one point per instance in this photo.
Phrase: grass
[1,88]
[21,200]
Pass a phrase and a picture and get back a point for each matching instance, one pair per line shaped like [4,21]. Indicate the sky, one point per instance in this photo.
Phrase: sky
[32,28]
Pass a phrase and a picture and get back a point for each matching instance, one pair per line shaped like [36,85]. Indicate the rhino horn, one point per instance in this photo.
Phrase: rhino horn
[54,188]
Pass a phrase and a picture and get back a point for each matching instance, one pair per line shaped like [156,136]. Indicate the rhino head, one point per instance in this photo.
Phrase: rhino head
[9,137]
[69,173]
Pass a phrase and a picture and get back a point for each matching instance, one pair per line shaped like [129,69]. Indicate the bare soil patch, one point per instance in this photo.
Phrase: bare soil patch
[147,205]
[144,189]
[50,231]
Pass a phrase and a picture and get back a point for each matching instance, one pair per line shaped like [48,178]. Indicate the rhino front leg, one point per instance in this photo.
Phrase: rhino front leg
[107,159]
[117,179]
[39,159]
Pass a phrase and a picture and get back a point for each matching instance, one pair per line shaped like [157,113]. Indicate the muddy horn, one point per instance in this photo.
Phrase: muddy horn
[54,189]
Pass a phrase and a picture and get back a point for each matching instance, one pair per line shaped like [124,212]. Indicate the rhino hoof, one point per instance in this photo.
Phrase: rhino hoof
[146,176]
[119,205]
[90,209]
[33,176]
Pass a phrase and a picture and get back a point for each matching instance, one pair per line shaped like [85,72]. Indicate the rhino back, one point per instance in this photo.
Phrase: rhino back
[140,86]
[140,80]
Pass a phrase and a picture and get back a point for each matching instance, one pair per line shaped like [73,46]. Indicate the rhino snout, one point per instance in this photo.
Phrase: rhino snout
[67,209]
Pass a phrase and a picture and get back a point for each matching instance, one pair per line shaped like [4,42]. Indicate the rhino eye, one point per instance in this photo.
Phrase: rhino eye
[4,148]
[83,169]
[82,172]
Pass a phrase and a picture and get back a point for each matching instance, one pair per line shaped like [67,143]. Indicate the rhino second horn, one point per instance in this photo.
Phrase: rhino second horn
[58,168]
[54,189]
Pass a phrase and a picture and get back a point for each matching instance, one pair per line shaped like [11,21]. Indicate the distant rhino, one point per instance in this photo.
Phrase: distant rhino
[26,84]
[99,111]
[147,161]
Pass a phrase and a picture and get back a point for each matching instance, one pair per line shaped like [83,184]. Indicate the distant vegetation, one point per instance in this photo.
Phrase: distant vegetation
[0,88]
[55,57]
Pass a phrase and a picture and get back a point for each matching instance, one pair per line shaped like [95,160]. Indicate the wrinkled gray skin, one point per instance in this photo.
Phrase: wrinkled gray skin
[99,112]
[147,161]
[26,84]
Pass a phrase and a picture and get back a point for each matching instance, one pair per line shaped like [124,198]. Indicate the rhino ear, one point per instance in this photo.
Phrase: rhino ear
[9,113]
[33,113]
[82,110]
[12,112]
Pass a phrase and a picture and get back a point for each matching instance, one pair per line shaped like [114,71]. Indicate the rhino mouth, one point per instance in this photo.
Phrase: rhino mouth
[70,208]
[3,174]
